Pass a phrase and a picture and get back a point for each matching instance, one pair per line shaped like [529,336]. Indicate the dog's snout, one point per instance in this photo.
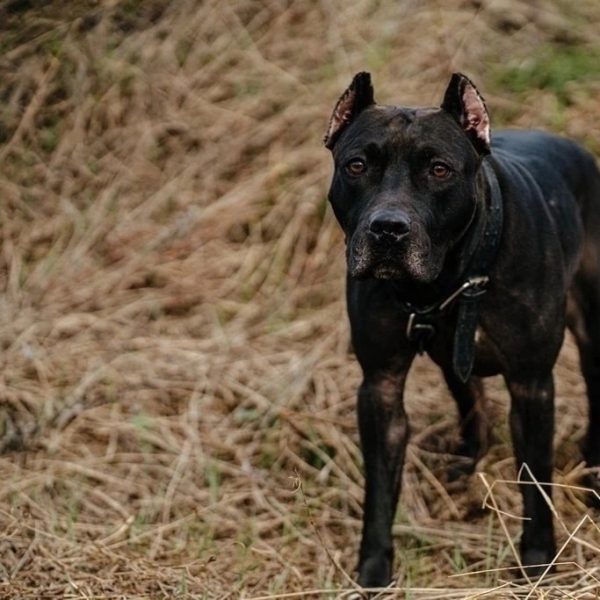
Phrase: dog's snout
[389,225]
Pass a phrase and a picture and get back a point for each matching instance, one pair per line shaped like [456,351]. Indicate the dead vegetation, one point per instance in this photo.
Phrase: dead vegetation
[177,395]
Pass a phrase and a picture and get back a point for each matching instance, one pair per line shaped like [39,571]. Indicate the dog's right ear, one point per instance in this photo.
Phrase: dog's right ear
[351,103]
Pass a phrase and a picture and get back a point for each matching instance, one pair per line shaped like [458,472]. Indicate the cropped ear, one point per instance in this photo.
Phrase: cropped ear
[351,103]
[466,105]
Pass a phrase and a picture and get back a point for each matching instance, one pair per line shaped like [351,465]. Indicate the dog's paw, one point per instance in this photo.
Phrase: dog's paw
[536,561]
[459,467]
[375,572]
[592,482]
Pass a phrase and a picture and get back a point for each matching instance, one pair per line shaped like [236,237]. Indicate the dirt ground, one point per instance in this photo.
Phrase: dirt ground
[177,390]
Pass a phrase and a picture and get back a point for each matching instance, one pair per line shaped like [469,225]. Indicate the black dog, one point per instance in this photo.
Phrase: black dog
[479,255]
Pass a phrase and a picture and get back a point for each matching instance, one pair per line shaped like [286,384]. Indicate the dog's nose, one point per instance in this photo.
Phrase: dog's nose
[389,225]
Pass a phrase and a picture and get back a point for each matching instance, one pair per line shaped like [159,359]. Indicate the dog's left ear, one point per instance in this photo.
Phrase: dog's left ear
[351,103]
[466,105]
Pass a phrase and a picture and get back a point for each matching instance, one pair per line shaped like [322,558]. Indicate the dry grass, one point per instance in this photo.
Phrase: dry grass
[174,345]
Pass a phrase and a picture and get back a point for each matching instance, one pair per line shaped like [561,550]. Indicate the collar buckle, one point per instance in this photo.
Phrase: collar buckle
[420,329]
[419,333]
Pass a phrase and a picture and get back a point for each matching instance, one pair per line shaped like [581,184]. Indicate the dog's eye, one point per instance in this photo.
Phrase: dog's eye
[440,170]
[356,166]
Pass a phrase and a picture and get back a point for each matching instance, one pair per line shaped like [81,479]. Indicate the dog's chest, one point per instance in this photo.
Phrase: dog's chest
[487,356]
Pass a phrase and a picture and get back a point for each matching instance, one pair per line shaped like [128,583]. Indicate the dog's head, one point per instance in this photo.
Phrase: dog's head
[405,188]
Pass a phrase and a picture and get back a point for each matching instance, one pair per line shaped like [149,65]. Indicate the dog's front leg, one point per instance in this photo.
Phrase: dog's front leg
[474,426]
[384,432]
[532,429]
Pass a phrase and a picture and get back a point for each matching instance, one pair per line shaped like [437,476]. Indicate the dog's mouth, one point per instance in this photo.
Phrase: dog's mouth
[387,271]
[362,266]
[410,261]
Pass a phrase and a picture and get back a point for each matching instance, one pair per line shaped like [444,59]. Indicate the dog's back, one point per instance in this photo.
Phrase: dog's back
[564,184]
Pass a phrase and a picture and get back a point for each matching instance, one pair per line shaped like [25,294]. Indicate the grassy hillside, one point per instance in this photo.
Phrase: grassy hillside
[177,391]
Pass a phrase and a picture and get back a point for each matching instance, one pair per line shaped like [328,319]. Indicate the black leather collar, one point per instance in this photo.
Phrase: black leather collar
[467,295]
